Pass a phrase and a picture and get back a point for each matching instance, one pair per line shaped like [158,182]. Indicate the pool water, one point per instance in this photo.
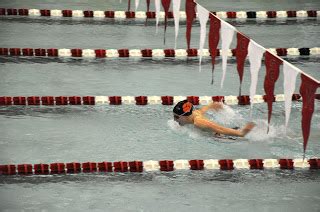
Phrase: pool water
[129,132]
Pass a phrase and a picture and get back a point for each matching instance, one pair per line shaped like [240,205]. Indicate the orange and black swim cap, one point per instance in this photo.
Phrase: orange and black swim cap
[183,108]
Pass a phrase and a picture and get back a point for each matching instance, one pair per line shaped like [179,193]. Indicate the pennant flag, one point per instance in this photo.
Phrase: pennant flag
[157,6]
[308,89]
[176,15]
[214,37]
[203,18]
[290,73]
[241,54]
[129,5]
[137,4]
[227,32]
[148,9]
[255,52]
[148,5]
[166,6]
[191,14]
[272,74]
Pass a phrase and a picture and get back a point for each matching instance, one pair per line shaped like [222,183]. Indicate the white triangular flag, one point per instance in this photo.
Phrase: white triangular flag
[203,15]
[290,73]
[176,15]
[157,6]
[226,34]
[255,54]
[137,4]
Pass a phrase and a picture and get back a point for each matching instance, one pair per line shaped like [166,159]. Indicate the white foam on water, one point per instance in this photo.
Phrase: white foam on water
[191,132]
[227,117]
[230,117]
[259,132]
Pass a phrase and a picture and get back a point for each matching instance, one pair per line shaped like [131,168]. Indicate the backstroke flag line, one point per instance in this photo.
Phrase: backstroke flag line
[256,53]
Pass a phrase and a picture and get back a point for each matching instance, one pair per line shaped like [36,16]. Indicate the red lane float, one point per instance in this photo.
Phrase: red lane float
[42,169]
[76,52]
[45,12]
[138,100]
[167,100]
[47,100]
[25,169]
[166,165]
[105,166]
[120,166]
[57,168]
[52,52]
[61,100]
[5,100]
[75,100]
[192,52]
[136,166]
[8,170]
[162,165]
[89,167]
[88,100]
[88,14]
[73,167]
[256,164]
[4,51]
[196,164]
[40,52]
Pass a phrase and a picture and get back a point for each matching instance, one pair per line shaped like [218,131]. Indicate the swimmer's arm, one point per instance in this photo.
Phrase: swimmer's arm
[212,106]
[206,124]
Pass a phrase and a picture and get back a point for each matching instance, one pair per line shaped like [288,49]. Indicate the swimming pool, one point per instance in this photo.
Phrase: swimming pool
[129,132]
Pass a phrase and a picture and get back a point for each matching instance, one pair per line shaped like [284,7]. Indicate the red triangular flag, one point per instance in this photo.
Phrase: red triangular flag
[129,5]
[308,89]
[191,14]
[272,74]
[214,37]
[241,54]
[148,5]
[148,9]
[166,6]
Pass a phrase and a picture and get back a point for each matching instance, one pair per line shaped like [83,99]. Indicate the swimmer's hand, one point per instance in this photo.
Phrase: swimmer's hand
[246,129]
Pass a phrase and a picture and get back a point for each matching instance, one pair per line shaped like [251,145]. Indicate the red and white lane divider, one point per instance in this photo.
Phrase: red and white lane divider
[145,53]
[152,15]
[163,165]
[137,100]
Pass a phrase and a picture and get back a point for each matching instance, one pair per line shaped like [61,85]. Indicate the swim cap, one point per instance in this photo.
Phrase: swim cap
[183,108]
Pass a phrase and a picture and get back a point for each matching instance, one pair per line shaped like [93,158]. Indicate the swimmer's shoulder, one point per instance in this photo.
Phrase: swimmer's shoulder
[197,113]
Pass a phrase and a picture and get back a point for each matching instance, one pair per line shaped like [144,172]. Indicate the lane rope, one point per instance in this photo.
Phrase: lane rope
[137,100]
[162,165]
[152,15]
[142,53]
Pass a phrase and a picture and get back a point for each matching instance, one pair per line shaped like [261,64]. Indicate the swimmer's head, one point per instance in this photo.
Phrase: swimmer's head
[182,111]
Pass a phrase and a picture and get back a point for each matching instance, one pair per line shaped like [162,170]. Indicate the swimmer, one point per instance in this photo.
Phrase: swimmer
[184,114]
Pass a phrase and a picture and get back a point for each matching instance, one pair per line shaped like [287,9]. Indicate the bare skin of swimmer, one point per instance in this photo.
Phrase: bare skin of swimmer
[198,119]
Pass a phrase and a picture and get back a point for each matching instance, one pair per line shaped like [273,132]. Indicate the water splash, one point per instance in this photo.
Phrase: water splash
[184,130]
[259,132]
[227,117]
[234,117]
